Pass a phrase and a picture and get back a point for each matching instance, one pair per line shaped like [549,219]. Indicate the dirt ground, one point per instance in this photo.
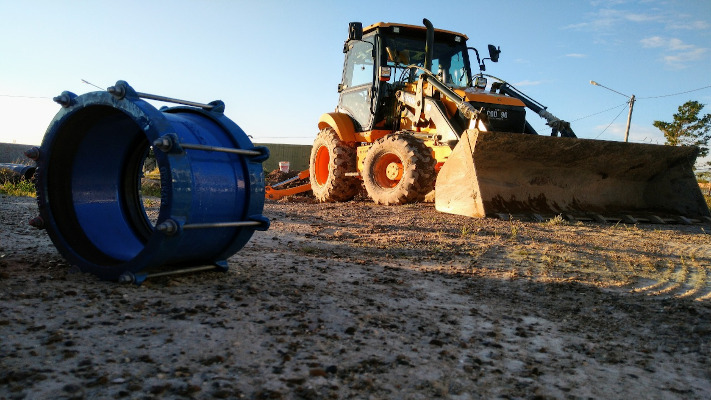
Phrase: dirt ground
[361,301]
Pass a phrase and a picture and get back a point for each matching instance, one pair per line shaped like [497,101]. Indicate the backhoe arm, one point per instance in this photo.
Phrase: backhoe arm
[557,124]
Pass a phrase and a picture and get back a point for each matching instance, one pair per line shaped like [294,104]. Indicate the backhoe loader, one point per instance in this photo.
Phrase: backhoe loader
[412,119]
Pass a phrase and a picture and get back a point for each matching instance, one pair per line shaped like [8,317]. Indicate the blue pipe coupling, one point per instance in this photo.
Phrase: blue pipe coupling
[90,169]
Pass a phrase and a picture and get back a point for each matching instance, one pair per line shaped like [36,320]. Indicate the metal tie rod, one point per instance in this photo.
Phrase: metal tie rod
[130,277]
[221,149]
[172,100]
[181,271]
[120,92]
[170,227]
[285,182]
[221,225]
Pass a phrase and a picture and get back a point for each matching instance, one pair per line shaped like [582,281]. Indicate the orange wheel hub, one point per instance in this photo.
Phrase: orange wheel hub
[321,165]
[394,171]
[388,171]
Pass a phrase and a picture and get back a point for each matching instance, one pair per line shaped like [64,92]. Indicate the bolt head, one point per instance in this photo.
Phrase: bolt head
[33,153]
[163,143]
[117,91]
[63,100]
[168,227]
[37,222]
[126,277]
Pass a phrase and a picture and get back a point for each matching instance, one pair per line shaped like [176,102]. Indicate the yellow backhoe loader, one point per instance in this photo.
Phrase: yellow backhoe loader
[412,118]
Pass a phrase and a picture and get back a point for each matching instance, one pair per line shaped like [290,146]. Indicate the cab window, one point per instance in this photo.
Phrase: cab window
[359,65]
[448,60]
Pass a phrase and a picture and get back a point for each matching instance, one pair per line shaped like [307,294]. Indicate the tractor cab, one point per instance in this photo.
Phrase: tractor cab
[384,58]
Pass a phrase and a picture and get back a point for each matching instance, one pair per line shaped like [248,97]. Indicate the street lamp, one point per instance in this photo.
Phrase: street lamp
[631,103]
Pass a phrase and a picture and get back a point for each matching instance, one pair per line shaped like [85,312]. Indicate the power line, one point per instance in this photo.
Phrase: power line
[600,112]
[639,98]
[674,94]
[25,97]
[603,131]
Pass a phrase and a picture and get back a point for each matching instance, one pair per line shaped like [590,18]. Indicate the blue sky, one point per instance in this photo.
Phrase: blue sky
[276,64]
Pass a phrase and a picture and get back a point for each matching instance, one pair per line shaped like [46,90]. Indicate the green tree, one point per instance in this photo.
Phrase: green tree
[688,128]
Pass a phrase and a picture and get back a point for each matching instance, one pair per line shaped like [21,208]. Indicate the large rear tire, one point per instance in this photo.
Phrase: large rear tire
[398,169]
[331,159]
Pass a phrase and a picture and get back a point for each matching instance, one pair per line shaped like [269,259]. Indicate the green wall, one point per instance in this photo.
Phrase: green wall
[14,153]
[296,154]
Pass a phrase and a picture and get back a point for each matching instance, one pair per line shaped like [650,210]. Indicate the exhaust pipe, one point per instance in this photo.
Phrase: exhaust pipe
[89,190]
[429,44]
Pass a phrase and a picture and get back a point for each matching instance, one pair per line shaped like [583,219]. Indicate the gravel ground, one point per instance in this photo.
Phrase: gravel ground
[361,301]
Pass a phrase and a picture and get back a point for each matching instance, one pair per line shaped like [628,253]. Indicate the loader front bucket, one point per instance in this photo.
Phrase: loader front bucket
[491,173]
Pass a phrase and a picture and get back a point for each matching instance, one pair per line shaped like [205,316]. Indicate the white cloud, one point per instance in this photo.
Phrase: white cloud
[672,44]
[640,17]
[677,44]
[680,59]
[576,55]
[528,83]
[645,134]
[692,25]
[678,52]
[607,3]
[578,26]
[654,41]
[608,18]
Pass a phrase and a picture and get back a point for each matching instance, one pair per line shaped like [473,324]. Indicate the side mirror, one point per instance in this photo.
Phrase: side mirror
[494,53]
[355,31]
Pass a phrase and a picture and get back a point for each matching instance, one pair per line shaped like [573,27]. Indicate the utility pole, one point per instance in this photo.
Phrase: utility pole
[629,119]
[630,103]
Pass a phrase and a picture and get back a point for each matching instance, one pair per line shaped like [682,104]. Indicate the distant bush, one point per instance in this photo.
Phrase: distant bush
[23,187]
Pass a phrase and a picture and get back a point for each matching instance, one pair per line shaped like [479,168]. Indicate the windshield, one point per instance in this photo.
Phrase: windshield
[448,60]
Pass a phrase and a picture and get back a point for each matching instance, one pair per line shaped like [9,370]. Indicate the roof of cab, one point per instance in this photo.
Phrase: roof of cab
[376,25]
